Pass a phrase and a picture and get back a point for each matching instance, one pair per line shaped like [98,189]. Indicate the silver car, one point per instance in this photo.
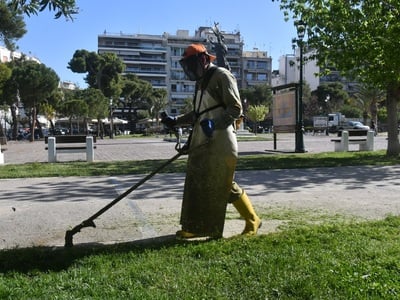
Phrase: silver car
[357,125]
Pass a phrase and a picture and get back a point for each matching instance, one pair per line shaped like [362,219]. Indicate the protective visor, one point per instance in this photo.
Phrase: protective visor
[190,65]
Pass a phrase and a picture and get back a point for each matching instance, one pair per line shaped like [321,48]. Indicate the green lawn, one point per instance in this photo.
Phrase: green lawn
[333,260]
[246,162]
[311,256]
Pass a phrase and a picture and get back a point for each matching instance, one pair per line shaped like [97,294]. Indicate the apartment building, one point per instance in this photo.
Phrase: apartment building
[7,55]
[257,68]
[289,72]
[155,58]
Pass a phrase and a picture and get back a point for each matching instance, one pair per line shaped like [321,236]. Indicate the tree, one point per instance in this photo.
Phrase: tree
[66,8]
[12,25]
[331,97]
[359,38]
[33,83]
[136,92]
[49,112]
[5,74]
[98,106]
[188,106]
[258,94]
[370,98]
[256,114]
[159,101]
[350,111]
[75,109]
[103,70]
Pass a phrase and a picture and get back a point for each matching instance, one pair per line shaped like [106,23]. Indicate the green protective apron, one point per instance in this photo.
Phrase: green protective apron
[210,171]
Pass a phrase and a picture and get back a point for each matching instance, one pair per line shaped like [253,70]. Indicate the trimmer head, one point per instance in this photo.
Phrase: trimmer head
[69,234]
[68,239]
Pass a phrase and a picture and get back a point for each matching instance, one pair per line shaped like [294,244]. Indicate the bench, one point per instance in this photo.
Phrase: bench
[364,138]
[70,144]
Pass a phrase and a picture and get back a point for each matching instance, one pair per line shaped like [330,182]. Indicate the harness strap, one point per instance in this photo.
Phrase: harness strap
[203,87]
[197,114]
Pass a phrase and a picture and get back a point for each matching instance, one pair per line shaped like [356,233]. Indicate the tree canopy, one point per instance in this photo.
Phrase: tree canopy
[359,38]
[256,114]
[103,70]
[12,25]
[258,94]
[66,8]
[33,83]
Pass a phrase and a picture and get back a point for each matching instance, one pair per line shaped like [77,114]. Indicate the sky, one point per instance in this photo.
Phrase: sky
[53,41]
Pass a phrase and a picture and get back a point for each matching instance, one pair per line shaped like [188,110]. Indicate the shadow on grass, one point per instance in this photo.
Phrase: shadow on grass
[25,260]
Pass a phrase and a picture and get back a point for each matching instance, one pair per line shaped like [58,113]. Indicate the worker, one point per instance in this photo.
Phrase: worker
[212,150]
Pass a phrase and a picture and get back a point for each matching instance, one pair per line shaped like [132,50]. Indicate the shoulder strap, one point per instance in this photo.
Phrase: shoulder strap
[204,84]
[207,77]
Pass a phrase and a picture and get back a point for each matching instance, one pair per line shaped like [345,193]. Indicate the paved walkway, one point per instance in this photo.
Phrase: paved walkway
[156,148]
[38,211]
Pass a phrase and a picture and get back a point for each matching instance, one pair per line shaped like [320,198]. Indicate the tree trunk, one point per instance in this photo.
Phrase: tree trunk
[32,125]
[374,113]
[52,126]
[39,126]
[70,125]
[3,135]
[393,96]
[14,122]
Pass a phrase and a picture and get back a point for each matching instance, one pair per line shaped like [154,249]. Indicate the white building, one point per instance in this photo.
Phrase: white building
[289,70]
[7,55]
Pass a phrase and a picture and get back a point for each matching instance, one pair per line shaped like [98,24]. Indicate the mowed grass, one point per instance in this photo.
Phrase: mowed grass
[333,260]
[245,162]
[323,257]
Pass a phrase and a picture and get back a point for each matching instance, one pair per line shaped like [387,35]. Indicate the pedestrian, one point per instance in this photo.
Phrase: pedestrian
[212,150]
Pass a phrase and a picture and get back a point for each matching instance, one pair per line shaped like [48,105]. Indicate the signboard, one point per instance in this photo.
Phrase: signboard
[320,122]
[284,111]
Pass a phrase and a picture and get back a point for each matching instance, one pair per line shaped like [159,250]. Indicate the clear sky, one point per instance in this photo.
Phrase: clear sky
[54,41]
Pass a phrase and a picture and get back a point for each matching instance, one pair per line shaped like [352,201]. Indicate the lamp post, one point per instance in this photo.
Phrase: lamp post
[111,120]
[327,98]
[5,117]
[301,30]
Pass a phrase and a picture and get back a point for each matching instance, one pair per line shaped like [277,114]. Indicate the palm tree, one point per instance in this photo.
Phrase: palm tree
[159,101]
[368,98]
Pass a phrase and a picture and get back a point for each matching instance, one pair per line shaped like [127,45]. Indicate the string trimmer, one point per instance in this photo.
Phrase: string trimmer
[90,221]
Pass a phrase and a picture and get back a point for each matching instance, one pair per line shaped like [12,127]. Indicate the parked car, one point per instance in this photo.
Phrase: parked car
[357,125]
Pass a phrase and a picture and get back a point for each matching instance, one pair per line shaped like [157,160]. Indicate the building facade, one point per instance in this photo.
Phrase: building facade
[7,55]
[155,58]
[257,68]
[289,72]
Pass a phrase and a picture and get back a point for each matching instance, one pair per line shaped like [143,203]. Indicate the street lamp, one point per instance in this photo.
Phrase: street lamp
[111,120]
[327,98]
[301,30]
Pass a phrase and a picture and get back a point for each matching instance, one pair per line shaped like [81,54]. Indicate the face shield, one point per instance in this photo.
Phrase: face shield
[192,67]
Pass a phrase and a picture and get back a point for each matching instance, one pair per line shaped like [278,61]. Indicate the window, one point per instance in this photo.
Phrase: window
[262,77]
[262,65]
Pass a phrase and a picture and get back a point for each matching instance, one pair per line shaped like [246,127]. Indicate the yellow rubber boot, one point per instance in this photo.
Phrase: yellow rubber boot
[246,210]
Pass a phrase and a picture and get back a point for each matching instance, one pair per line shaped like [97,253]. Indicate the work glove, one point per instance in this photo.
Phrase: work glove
[208,127]
[168,121]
